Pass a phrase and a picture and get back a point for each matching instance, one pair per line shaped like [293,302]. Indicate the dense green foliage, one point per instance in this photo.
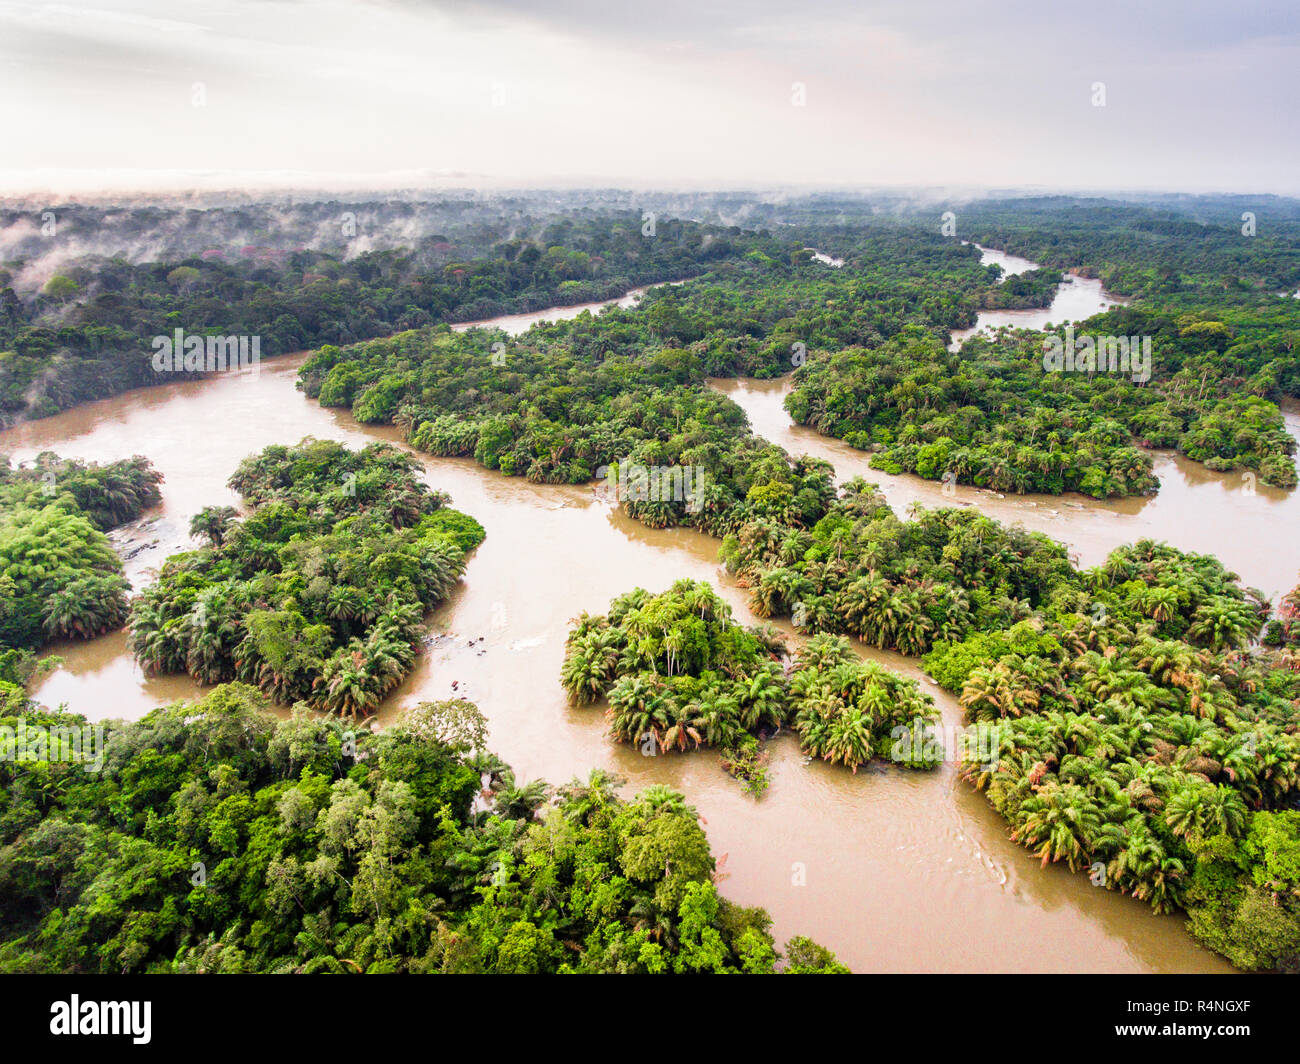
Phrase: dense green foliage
[218,839]
[59,575]
[679,674]
[107,495]
[1024,291]
[319,593]
[1141,739]
[898,585]
[556,419]
[1212,293]
[1182,253]
[868,344]
[1138,734]
[848,711]
[1284,629]
[993,416]
[1224,348]
[630,385]
[1204,293]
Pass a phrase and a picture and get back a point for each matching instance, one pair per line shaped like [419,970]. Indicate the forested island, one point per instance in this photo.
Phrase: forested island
[319,593]
[678,675]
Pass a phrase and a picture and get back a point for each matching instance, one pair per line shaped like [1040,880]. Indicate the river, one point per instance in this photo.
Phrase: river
[894,870]
[515,324]
[1250,527]
[1076,299]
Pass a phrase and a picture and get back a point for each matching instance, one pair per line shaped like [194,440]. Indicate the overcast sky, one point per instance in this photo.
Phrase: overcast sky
[126,93]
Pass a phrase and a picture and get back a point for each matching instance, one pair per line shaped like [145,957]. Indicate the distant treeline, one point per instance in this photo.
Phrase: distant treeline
[87,333]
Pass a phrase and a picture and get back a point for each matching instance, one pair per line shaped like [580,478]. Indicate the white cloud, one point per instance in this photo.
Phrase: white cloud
[680,92]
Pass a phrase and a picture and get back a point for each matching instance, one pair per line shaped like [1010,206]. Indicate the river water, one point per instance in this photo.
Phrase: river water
[1076,299]
[515,324]
[894,870]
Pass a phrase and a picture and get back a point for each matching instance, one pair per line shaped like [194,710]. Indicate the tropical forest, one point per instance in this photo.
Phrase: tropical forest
[594,583]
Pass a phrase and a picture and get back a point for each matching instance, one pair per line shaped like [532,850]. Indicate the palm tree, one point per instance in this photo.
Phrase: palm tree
[1225,811]
[86,607]
[1169,662]
[1279,763]
[580,802]
[888,619]
[685,725]
[513,802]
[590,664]
[212,523]
[1144,869]
[1185,811]
[345,685]
[659,923]
[635,709]
[914,626]
[207,659]
[1107,682]
[825,651]
[717,712]
[1160,603]
[762,697]
[1061,821]
[777,590]
[858,602]
[877,700]
[849,739]
[344,603]
[153,639]
[997,692]
[1222,623]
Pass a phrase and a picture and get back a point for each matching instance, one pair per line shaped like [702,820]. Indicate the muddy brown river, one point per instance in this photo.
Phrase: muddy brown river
[893,870]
